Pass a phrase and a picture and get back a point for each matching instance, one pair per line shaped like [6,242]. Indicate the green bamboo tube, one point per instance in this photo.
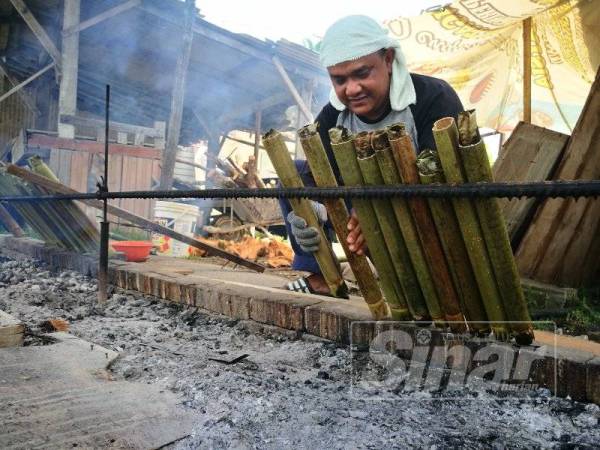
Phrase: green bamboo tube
[289,177]
[445,134]
[338,215]
[345,156]
[367,162]
[81,224]
[405,158]
[444,217]
[39,167]
[389,172]
[477,169]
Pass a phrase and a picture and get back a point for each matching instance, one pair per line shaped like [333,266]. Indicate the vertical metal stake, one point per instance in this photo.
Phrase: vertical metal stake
[104,225]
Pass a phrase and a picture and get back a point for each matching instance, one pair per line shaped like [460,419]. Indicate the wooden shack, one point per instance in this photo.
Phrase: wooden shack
[175,79]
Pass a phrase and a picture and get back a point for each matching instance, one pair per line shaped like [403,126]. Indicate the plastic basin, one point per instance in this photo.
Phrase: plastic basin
[135,251]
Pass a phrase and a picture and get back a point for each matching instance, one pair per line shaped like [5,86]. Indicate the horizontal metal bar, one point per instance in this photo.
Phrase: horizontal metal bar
[553,189]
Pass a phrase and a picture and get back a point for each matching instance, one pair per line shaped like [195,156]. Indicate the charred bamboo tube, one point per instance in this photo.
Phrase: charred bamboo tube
[338,215]
[289,177]
[369,168]
[445,134]
[477,168]
[406,161]
[444,217]
[345,156]
[389,172]
[79,221]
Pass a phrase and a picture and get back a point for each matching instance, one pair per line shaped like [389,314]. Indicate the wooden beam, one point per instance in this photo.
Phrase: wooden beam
[112,12]
[81,145]
[38,31]
[177,100]
[25,97]
[133,218]
[21,85]
[67,99]
[527,70]
[292,89]
[9,223]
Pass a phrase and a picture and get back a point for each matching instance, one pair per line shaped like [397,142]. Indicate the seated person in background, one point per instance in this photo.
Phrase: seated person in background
[372,89]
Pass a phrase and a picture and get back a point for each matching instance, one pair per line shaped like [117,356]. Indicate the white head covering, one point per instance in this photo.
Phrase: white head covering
[353,37]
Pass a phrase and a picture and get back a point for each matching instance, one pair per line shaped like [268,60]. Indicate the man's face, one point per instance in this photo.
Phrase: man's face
[363,85]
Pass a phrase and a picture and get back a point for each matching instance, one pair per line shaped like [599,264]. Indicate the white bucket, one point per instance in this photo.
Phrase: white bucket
[179,217]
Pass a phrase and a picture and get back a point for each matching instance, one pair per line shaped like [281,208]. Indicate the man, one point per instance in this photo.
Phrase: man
[372,89]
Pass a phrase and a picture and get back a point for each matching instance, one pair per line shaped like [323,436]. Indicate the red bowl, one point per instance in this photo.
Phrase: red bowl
[135,251]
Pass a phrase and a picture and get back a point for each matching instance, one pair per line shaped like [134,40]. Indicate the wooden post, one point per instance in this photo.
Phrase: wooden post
[527,70]
[67,100]
[177,98]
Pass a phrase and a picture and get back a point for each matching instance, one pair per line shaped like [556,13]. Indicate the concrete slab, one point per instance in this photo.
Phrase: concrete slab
[61,395]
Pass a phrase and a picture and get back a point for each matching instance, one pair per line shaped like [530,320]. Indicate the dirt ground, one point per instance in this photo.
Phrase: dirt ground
[285,393]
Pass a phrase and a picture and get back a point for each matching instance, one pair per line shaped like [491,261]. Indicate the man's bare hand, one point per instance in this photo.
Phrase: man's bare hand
[356,240]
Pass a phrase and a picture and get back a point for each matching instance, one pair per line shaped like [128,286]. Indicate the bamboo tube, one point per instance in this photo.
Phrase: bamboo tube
[445,134]
[78,219]
[345,156]
[405,157]
[338,215]
[444,217]
[369,168]
[289,177]
[477,168]
[39,167]
[390,175]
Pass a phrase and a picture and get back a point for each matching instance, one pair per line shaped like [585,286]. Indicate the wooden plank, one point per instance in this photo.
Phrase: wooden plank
[24,83]
[118,127]
[67,99]
[112,12]
[79,171]
[37,140]
[555,230]
[128,216]
[11,331]
[289,84]
[531,153]
[64,166]
[177,99]
[38,31]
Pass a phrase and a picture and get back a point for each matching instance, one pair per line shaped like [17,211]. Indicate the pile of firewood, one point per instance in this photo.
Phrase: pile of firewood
[268,251]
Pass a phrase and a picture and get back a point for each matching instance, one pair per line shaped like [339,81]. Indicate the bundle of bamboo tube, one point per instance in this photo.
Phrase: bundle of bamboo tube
[445,260]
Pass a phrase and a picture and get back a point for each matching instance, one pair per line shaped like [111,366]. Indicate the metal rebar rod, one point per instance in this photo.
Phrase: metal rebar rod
[544,189]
